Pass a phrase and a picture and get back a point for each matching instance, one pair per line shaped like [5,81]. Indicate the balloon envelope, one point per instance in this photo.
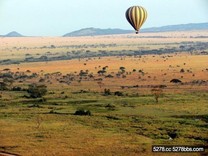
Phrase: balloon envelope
[136,16]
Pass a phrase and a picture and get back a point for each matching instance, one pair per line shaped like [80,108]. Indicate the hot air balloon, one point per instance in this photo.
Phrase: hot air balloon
[136,16]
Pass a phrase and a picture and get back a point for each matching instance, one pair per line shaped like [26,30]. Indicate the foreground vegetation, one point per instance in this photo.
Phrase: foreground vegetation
[116,125]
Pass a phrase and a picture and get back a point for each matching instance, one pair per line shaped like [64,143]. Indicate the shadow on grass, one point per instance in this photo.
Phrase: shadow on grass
[193,117]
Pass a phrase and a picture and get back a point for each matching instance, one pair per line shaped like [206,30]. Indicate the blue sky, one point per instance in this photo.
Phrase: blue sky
[57,17]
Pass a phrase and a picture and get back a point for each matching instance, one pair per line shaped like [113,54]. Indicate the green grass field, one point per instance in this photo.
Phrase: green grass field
[118,125]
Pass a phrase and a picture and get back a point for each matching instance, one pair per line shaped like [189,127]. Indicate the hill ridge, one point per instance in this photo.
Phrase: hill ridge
[91,31]
[13,34]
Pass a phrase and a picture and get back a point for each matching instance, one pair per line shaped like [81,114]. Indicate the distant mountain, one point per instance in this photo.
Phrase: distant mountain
[97,31]
[181,27]
[13,34]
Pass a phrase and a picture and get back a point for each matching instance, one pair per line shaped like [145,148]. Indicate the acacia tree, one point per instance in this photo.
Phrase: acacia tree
[100,84]
[157,92]
[3,86]
[122,69]
[37,91]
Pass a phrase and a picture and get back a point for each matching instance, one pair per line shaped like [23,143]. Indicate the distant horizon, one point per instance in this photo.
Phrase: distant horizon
[25,35]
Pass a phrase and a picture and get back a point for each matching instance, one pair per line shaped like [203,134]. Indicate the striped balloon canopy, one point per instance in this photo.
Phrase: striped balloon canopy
[136,16]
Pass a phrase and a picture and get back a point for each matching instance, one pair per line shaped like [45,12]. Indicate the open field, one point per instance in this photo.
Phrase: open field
[119,92]
[29,48]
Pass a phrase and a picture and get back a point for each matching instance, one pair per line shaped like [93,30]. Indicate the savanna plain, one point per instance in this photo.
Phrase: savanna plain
[103,95]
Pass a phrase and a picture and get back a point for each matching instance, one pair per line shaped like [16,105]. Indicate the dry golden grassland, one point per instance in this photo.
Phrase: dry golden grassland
[16,48]
[123,124]
[158,70]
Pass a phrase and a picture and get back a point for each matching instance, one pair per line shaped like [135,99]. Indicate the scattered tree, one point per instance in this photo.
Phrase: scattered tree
[37,91]
[107,92]
[176,81]
[157,92]
[182,70]
[3,86]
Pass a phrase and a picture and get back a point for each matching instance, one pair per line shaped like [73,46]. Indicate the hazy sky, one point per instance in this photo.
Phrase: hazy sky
[57,17]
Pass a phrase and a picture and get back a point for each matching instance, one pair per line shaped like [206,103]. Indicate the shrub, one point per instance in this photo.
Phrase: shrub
[42,100]
[53,46]
[101,72]
[173,134]
[82,112]
[182,70]
[37,91]
[118,93]
[122,68]
[4,86]
[110,107]
[107,92]
[16,88]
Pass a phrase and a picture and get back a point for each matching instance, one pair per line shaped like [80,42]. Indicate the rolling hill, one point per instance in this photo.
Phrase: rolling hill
[181,27]
[12,34]
[97,31]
